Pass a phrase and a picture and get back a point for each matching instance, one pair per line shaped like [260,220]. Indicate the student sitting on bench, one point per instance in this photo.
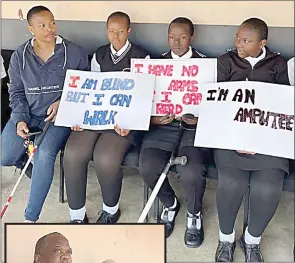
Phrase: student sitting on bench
[159,142]
[252,60]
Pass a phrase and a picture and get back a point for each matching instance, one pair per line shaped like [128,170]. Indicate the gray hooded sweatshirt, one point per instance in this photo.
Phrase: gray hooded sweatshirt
[34,84]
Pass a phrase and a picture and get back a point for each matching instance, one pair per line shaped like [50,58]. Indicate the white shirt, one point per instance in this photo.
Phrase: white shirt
[291,71]
[253,61]
[96,67]
[3,72]
[188,54]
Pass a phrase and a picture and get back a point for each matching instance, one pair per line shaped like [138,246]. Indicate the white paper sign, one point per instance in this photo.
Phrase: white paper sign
[177,87]
[99,100]
[250,116]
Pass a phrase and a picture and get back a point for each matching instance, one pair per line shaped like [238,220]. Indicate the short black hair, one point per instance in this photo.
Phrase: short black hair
[185,21]
[259,26]
[42,242]
[35,10]
[120,15]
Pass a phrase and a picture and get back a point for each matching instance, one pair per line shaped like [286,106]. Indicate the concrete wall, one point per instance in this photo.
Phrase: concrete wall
[215,22]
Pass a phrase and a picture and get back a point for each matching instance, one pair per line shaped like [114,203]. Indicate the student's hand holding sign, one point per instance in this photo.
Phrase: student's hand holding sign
[163,120]
[121,132]
[77,128]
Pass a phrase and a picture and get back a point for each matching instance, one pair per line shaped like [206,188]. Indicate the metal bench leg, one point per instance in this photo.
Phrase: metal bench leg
[157,209]
[62,178]
[246,209]
[145,199]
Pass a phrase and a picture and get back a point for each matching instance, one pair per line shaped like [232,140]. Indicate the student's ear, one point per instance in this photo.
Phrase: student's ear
[263,43]
[129,30]
[37,258]
[30,29]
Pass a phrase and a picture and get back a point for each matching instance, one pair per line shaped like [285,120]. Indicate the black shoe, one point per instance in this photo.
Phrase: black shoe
[194,237]
[84,221]
[106,218]
[252,252]
[225,252]
[169,225]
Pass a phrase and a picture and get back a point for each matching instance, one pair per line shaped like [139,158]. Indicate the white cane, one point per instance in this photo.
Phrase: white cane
[173,161]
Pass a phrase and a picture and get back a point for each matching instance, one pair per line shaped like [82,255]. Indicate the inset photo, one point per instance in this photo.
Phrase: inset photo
[68,243]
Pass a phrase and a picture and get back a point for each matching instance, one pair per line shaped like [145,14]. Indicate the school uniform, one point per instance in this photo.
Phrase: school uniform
[106,58]
[269,67]
[264,174]
[157,146]
[164,136]
[106,148]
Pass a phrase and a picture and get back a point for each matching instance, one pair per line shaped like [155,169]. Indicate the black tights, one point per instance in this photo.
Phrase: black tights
[108,151]
[265,192]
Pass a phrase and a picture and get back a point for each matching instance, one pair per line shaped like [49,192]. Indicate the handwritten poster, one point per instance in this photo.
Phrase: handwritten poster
[177,87]
[99,100]
[251,116]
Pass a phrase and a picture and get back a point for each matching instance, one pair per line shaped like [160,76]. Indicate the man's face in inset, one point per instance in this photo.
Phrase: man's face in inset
[56,250]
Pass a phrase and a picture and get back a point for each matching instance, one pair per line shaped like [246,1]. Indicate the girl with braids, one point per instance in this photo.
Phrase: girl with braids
[252,60]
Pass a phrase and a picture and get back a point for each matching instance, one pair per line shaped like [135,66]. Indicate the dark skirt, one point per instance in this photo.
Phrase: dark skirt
[164,137]
[248,162]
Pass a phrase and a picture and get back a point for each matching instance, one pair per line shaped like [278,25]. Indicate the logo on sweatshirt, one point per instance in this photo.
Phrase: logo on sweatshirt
[43,89]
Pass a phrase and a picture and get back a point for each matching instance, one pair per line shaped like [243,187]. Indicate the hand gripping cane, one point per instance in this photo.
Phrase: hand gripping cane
[38,141]
[172,161]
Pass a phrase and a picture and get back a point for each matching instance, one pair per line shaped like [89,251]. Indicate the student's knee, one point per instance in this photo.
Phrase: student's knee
[267,183]
[195,168]
[229,182]
[10,157]
[149,161]
[45,155]
[7,159]
[74,154]
[104,161]
[150,164]
[144,158]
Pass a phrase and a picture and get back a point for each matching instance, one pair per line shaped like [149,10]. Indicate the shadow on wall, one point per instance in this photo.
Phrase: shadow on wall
[210,40]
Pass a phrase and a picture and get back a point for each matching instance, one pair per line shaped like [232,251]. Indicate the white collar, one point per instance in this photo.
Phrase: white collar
[291,71]
[253,61]
[58,40]
[121,51]
[188,54]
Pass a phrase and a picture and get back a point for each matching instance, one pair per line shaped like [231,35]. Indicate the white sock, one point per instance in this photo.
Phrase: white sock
[190,220]
[110,209]
[170,213]
[250,240]
[227,238]
[78,214]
